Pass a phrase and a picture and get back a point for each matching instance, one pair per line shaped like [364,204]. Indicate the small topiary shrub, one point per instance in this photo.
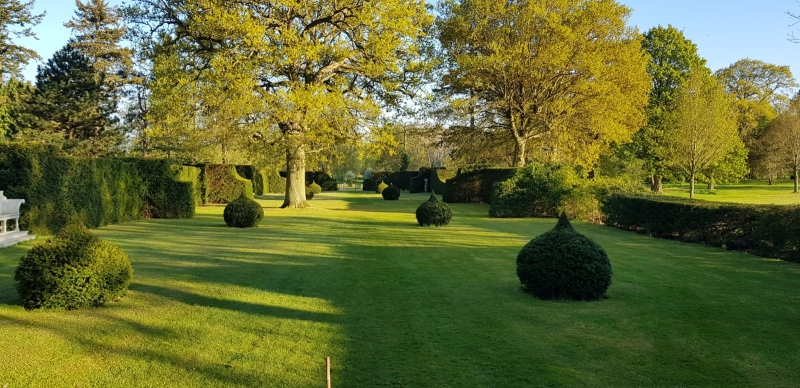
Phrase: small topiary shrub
[434,212]
[564,264]
[243,212]
[309,193]
[391,193]
[381,186]
[72,270]
[315,188]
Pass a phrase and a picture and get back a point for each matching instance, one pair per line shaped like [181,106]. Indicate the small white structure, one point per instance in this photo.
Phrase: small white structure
[9,211]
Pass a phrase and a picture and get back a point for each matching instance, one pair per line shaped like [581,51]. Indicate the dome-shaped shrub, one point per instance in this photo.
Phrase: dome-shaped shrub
[434,212]
[243,212]
[381,187]
[315,188]
[564,264]
[309,193]
[391,193]
[72,270]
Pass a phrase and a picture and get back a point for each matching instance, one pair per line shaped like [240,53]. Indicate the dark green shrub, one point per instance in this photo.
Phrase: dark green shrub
[171,191]
[277,183]
[72,270]
[309,193]
[322,179]
[434,212]
[223,184]
[243,212]
[315,188]
[391,193]
[371,183]
[475,185]
[382,186]
[438,181]
[764,230]
[533,191]
[564,264]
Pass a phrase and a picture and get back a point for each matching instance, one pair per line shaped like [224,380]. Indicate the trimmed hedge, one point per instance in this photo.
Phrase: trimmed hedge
[475,185]
[315,188]
[381,186]
[417,184]
[438,179]
[764,230]
[391,193]
[223,184]
[72,270]
[98,191]
[564,264]
[171,191]
[275,182]
[320,177]
[243,212]
[434,212]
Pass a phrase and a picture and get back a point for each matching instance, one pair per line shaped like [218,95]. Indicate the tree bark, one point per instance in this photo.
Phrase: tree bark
[519,152]
[711,183]
[295,196]
[691,186]
[795,178]
[655,184]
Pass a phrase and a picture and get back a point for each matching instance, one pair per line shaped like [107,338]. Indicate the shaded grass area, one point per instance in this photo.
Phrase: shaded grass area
[749,191]
[398,305]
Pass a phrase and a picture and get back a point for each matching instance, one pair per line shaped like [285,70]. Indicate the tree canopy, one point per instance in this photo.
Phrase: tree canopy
[16,21]
[568,75]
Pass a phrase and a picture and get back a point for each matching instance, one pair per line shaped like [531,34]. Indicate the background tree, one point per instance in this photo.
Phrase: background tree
[15,115]
[761,90]
[784,139]
[702,125]
[316,66]
[97,34]
[566,74]
[16,21]
[672,57]
[69,102]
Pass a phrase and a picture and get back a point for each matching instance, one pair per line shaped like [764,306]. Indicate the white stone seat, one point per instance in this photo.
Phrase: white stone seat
[9,211]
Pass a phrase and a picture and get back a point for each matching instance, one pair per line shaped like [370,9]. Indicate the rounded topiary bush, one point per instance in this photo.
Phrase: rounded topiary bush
[243,212]
[434,212]
[391,193]
[564,264]
[315,188]
[72,270]
[309,193]
[381,186]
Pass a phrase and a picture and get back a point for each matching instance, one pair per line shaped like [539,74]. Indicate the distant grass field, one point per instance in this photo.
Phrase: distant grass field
[397,305]
[750,191]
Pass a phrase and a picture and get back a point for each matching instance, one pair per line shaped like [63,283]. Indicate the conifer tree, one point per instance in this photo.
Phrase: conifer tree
[16,21]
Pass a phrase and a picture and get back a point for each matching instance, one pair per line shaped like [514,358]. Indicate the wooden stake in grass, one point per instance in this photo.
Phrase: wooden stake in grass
[328,370]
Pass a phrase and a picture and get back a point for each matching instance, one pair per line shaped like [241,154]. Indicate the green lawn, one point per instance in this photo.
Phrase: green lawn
[397,305]
[750,191]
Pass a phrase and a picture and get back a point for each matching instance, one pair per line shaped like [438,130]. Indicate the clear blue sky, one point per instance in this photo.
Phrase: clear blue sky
[724,31]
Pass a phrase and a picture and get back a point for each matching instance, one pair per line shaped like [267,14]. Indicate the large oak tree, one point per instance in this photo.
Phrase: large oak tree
[319,68]
[566,76]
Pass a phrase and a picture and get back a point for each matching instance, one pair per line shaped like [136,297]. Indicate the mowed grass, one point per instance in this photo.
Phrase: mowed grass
[749,191]
[398,305]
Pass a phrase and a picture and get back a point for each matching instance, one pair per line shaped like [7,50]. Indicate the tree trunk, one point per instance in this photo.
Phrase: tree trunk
[295,168]
[655,184]
[770,180]
[519,152]
[691,186]
[711,183]
[795,178]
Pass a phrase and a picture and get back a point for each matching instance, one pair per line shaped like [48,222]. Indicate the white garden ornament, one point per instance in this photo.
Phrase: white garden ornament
[10,233]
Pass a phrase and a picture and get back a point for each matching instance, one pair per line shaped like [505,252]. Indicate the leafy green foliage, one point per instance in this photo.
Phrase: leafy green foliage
[243,212]
[474,185]
[564,264]
[434,212]
[260,182]
[223,184]
[277,183]
[381,187]
[547,190]
[171,191]
[764,230]
[315,188]
[309,193]
[13,57]
[72,270]
[391,193]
